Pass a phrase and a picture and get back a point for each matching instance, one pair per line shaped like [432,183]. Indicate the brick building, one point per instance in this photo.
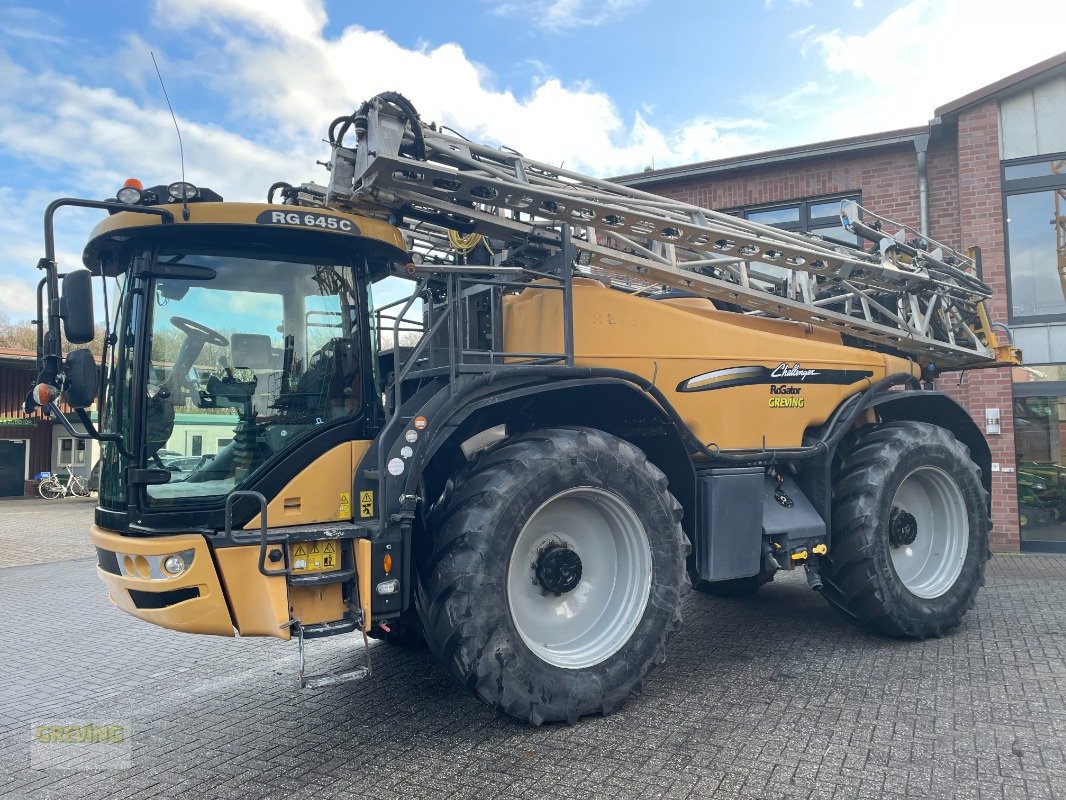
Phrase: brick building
[30,445]
[25,442]
[988,170]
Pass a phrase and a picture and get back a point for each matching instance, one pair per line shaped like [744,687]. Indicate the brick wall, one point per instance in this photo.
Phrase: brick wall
[964,210]
[888,180]
[980,209]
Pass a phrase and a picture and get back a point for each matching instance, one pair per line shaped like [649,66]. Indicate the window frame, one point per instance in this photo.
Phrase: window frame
[806,222]
[1020,186]
[63,440]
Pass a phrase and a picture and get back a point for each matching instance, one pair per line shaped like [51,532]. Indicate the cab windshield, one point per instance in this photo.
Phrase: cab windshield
[246,356]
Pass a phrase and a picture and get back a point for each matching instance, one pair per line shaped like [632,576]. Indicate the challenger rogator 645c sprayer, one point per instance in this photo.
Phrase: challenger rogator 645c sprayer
[609,396]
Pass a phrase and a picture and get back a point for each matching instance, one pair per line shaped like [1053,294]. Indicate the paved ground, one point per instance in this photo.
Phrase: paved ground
[37,531]
[769,697]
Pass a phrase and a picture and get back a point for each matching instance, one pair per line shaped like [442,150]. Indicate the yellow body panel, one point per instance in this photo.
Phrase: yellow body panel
[206,613]
[313,604]
[260,604]
[362,571]
[321,492]
[669,342]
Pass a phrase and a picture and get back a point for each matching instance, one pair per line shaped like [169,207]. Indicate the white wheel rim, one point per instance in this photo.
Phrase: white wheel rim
[590,623]
[930,565]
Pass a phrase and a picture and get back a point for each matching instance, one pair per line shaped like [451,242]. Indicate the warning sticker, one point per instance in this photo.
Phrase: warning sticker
[366,504]
[346,505]
[315,556]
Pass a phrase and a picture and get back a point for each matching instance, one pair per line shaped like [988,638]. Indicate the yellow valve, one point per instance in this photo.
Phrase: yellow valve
[800,556]
[819,549]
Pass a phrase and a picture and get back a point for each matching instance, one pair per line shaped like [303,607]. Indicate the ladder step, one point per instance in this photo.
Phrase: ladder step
[322,578]
[322,629]
[333,678]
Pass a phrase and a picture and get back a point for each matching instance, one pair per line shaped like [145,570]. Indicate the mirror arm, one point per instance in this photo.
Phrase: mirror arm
[52,340]
[91,431]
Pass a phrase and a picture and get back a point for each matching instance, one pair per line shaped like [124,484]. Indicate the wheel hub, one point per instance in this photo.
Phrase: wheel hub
[558,569]
[902,528]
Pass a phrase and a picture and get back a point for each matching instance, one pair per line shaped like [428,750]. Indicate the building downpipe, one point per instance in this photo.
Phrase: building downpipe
[921,145]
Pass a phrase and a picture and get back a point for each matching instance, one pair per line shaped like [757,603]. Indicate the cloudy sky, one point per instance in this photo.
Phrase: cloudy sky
[604,86]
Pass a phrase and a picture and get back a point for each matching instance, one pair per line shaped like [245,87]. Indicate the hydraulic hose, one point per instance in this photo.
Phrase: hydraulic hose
[418,150]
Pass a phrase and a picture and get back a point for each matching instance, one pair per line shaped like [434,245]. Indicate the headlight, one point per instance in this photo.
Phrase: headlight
[175,565]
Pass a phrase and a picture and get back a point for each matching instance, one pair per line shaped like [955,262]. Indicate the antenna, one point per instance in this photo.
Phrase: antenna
[181,148]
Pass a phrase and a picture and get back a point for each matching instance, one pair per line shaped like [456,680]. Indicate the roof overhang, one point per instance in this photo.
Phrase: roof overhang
[278,225]
[854,144]
[1005,87]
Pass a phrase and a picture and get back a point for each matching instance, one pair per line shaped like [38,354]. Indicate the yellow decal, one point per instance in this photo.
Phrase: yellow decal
[315,556]
[366,504]
[346,504]
[786,402]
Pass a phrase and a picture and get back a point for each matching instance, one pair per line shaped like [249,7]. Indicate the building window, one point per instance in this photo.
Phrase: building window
[1035,212]
[223,442]
[1040,444]
[820,215]
[71,452]
[197,446]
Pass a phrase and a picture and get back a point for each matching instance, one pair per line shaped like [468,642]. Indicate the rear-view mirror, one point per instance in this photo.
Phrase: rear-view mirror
[82,376]
[76,307]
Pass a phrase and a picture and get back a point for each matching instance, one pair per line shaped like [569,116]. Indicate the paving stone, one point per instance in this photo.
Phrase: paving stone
[773,696]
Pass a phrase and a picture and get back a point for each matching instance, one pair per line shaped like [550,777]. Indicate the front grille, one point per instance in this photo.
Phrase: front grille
[108,561]
[147,600]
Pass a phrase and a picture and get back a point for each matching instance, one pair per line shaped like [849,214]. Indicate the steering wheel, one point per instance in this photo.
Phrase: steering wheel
[197,331]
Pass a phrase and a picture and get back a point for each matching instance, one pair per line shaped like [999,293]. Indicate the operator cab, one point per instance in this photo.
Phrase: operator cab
[242,335]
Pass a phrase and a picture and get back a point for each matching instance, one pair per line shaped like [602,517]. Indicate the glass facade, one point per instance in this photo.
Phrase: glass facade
[1040,447]
[1034,205]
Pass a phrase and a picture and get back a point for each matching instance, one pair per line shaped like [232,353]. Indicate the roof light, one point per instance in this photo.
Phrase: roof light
[131,193]
[182,191]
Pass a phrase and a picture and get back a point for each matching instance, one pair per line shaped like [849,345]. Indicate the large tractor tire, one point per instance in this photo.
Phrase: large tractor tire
[910,531]
[555,575]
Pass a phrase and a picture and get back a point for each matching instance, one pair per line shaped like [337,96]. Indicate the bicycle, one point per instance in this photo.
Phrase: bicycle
[52,488]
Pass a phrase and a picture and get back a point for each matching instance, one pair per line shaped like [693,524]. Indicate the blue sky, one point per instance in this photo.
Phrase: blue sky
[607,87]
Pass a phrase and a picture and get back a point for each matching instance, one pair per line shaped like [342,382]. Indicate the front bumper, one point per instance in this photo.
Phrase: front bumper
[192,601]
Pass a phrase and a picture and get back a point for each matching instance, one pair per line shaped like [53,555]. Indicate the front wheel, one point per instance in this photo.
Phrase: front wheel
[50,489]
[555,574]
[78,488]
[910,531]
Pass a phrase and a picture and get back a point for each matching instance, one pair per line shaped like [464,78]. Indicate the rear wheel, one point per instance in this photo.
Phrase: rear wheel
[556,574]
[50,489]
[910,531]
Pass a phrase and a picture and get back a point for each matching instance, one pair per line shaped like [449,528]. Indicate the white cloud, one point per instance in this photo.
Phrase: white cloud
[294,79]
[17,297]
[921,56]
[563,15]
[283,79]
